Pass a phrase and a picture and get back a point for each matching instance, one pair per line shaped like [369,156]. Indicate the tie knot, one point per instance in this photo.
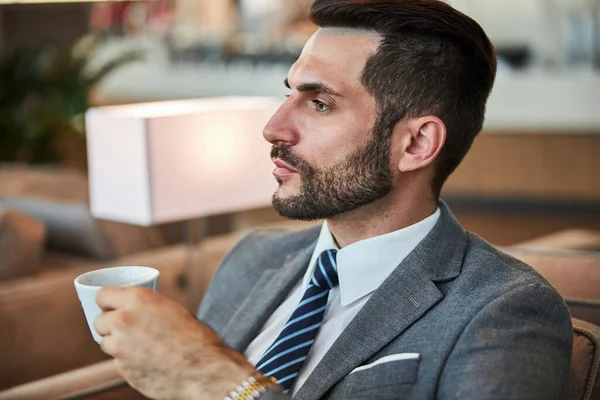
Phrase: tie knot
[326,274]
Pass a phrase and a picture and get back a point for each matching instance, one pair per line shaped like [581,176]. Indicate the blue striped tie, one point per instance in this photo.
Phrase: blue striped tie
[287,354]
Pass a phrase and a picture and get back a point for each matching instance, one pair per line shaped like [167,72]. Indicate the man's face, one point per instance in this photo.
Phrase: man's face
[329,158]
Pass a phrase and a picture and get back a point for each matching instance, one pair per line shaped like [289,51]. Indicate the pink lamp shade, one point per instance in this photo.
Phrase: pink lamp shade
[158,162]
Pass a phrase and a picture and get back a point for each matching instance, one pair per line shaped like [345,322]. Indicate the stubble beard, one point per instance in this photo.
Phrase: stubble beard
[362,178]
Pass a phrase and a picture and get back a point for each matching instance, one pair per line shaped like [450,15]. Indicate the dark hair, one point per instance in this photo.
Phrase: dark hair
[433,60]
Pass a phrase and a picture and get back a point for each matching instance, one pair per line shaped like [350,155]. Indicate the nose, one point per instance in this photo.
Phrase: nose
[280,128]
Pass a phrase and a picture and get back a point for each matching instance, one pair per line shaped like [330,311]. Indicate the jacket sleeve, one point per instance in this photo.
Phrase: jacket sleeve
[517,347]
[274,395]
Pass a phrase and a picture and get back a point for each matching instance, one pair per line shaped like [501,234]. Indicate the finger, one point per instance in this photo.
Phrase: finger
[114,297]
[108,345]
[102,324]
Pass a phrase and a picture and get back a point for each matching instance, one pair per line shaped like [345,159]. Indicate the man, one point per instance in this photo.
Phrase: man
[390,298]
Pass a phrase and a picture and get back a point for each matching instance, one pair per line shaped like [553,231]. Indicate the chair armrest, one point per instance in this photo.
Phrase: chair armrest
[68,385]
[569,239]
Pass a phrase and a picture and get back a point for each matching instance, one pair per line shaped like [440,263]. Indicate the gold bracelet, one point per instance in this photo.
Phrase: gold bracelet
[252,388]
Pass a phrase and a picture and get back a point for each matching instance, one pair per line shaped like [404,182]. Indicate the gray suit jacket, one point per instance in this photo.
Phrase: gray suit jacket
[486,325]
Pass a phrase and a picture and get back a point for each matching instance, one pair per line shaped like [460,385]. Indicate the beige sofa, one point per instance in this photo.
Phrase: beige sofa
[575,274]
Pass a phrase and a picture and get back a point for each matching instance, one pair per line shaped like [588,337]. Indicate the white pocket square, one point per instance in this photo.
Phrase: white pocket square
[387,359]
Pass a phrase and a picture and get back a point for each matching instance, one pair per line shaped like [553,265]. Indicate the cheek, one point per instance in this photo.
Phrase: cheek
[335,147]
[328,139]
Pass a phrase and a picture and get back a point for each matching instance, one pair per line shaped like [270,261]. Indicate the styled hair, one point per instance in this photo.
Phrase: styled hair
[432,60]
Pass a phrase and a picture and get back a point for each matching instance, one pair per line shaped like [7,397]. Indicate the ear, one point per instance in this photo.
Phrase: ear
[423,140]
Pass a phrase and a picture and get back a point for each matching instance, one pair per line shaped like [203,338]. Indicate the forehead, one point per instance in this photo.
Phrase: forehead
[335,56]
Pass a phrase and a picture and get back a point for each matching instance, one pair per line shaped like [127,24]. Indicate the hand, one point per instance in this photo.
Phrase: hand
[162,350]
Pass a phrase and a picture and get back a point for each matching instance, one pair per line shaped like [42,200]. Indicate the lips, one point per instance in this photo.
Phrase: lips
[283,171]
[283,165]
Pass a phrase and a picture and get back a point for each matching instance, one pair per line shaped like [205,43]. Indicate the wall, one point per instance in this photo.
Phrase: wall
[541,24]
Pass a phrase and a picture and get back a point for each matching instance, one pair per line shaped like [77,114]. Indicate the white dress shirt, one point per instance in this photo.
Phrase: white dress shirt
[362,267]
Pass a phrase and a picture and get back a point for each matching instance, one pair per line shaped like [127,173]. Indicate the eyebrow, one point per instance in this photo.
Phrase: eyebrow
[318,87]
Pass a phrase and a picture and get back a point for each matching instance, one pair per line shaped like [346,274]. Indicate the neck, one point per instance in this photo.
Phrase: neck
[378,218]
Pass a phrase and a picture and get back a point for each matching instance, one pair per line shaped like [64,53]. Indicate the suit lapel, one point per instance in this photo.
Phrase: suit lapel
[266,295]
[404,297]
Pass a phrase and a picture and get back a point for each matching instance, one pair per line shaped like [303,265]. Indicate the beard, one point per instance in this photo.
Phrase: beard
[362,178]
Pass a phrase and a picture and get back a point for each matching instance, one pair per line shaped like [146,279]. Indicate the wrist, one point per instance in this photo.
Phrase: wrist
[216,379]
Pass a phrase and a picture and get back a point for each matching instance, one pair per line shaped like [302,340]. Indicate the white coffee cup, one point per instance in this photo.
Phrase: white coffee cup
[88,284]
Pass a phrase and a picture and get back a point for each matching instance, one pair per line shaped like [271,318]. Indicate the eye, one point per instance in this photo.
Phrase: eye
[320,106]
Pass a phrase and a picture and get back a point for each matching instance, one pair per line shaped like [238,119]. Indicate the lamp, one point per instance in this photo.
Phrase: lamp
[159,162]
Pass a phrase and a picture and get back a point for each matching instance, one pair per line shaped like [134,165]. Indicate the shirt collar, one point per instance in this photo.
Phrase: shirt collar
[364,265]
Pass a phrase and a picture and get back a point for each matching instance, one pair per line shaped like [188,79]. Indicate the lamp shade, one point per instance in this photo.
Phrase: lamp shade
[158,162]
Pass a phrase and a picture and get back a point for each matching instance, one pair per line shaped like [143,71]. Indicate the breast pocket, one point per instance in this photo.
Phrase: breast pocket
[392,379]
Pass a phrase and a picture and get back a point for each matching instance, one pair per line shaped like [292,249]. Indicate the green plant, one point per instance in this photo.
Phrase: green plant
[43,98]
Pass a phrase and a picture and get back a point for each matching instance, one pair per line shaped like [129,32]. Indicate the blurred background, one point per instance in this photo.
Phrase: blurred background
[532,177]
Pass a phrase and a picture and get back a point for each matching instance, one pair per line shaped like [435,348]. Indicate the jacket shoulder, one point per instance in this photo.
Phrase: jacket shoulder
[515,331]
[505,269]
